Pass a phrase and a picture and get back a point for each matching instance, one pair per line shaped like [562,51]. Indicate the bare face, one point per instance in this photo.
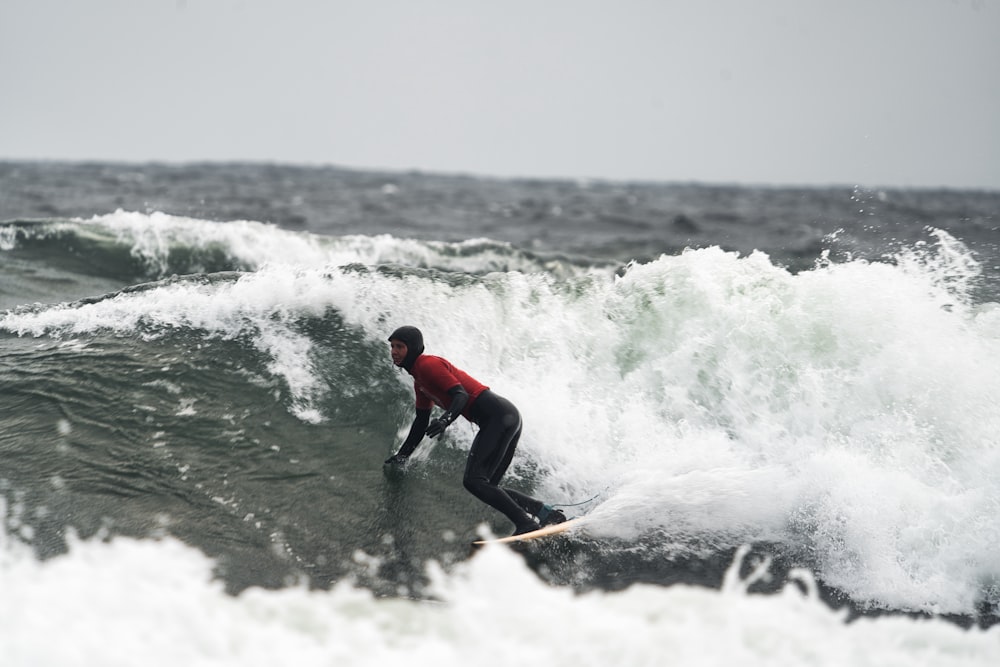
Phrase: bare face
[398,350]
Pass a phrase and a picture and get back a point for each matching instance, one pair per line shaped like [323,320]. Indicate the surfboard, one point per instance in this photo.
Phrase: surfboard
[535,534]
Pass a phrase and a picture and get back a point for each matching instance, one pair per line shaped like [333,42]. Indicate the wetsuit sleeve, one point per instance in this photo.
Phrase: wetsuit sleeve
[459,399]
[416,434]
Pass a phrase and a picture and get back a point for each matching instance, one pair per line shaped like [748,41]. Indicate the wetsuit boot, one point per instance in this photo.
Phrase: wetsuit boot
[549,515]
[526,526]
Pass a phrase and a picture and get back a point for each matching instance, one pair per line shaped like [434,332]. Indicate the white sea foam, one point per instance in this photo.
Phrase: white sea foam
[849,411]
[154,602]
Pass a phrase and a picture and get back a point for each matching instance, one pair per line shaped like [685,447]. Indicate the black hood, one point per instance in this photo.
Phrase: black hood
[414,341]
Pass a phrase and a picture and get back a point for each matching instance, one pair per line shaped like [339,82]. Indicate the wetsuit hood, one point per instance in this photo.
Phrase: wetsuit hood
[414,341]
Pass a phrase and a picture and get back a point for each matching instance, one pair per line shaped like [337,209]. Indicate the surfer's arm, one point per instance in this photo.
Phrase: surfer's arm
[416,434]
[459,399]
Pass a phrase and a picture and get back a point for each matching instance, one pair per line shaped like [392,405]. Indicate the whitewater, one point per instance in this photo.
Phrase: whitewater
[779,466]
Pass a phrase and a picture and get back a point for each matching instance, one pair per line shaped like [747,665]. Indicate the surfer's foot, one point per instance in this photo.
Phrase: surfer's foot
[526,527]
[550,515]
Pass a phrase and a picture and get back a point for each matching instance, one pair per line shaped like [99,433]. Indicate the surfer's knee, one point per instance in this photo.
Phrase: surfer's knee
[474,484]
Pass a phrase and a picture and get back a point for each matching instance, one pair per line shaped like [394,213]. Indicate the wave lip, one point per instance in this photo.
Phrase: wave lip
[157,245]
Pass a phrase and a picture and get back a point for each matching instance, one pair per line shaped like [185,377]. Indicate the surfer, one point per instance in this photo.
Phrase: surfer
[437,381]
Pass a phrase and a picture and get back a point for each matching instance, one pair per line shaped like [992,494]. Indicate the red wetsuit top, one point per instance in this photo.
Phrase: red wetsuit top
[434,376]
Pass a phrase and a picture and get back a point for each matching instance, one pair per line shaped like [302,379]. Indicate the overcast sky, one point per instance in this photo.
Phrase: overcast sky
[867,92]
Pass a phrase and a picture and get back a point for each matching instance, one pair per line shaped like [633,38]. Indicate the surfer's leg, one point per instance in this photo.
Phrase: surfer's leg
[545,513]
[526,502]
[500,425]
[476,481]
[512,436]
[489,457]
[529,504]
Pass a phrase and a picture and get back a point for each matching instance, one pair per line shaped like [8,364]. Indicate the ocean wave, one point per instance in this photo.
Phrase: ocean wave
[157,245]
[847,412]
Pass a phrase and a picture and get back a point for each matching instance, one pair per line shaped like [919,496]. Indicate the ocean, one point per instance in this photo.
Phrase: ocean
[778,408]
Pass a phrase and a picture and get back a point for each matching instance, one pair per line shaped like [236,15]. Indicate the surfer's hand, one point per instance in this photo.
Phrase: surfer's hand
[396,460]
[437,427]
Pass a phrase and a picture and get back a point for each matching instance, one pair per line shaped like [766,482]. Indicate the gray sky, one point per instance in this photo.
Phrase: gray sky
[869,92]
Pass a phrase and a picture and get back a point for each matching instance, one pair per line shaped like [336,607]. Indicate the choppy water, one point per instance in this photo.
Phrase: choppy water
[198,398]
